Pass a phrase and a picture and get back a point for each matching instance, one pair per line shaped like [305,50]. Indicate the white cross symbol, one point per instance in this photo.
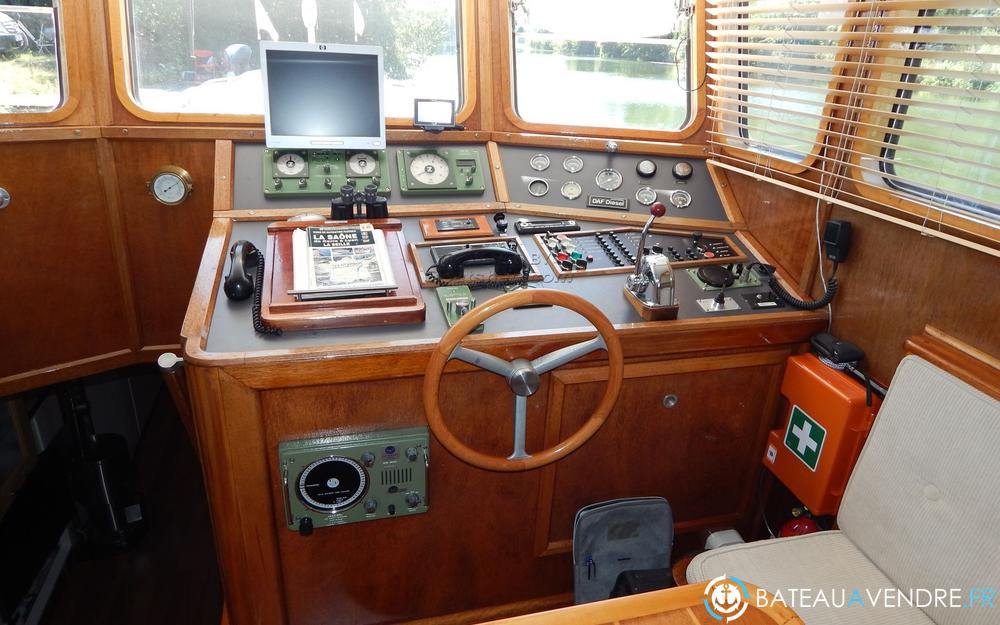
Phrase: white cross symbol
[805,441]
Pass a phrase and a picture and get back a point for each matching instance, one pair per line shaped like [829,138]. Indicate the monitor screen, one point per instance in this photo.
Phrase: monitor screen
[323,95]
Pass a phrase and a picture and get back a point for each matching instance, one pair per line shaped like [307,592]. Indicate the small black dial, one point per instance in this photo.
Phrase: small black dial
[646,168]
[682,170]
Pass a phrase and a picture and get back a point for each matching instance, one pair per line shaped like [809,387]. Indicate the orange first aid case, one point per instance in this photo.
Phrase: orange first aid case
[824,430]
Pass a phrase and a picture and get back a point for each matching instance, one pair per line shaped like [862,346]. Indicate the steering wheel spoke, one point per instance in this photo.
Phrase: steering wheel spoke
[558,358]
[520,428]
[489,362]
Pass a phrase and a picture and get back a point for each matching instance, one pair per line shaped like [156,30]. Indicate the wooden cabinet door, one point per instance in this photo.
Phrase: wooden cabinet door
[63,304]
[691,430]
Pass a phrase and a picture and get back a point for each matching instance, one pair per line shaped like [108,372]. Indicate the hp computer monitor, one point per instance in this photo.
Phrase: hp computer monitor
[321,95]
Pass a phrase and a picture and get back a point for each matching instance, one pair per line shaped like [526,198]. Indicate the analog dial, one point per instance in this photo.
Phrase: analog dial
[540,162]
[538,187]
[171,185]
[571,190]
[646,168]
[362,164]
[332,484]
[682,170]
[290,164]
[573,164]
[609,179]
[645,196]
[429,169]
[680,199]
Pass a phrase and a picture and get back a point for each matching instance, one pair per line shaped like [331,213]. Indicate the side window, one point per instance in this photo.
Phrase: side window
[943,136]
[30,66]
[774,66]
[583,63]
[202,56]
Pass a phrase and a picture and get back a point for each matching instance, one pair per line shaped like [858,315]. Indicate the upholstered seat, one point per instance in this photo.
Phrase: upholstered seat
[920,512]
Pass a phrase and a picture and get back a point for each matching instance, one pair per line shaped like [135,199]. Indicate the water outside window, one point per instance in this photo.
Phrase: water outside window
[591,63]
[203,56]
[29,58]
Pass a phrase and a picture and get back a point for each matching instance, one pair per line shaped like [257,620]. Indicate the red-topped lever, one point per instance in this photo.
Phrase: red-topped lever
[658,209]
[636,280]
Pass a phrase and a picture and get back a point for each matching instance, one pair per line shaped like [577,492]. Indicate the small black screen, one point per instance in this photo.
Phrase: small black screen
[321,94]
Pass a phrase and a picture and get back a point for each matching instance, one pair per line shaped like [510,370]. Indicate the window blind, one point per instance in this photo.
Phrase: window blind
[864,101]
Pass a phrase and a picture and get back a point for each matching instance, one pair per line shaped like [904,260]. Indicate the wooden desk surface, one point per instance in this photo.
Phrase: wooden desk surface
[674,606]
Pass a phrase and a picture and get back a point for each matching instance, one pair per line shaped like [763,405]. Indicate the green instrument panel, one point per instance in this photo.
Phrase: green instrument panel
[440,171]
[290,173]
[355,477]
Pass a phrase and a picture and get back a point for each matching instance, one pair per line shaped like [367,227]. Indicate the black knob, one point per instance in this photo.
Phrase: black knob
[411,454]
[657,249]
[498,217]
[305,526]
[695,237]
[502,226]
[391,509]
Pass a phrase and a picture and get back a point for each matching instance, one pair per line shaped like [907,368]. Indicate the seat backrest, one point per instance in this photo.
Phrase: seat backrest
[922,503]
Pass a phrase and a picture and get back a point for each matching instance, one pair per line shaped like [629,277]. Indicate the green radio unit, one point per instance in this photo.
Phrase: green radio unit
[443,171]
[290,173]
[350,478]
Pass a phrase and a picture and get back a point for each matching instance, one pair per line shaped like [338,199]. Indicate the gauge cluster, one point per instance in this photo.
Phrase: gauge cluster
[610,181]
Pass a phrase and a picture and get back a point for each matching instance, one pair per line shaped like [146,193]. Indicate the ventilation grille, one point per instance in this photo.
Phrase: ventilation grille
[396,476]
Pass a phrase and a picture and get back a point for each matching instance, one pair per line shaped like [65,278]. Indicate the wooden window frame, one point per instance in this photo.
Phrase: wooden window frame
[68,67]
[505,65]
[122,74]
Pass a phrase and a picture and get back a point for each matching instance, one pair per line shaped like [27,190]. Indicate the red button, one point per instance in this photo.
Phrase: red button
[562,256]
[709,255]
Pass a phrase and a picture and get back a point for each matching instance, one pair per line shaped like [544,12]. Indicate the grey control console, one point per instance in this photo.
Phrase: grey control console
[610,182]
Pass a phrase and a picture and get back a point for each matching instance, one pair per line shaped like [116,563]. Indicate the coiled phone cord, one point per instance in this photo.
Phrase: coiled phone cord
[831,289]
[258,289]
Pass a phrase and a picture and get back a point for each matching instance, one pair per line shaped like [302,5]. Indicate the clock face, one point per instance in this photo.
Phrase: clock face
[169,186]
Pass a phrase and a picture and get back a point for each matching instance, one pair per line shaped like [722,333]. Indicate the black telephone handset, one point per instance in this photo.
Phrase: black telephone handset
[505,261]
[238,285]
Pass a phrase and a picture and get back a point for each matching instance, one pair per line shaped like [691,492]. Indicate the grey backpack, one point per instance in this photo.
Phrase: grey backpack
[615,536]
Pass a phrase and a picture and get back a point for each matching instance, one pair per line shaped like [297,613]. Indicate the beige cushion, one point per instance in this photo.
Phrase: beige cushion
[922,503]
[824,561]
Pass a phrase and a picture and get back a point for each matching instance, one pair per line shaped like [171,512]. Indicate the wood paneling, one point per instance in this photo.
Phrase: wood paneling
[63,299]
[896,281]
[164,242]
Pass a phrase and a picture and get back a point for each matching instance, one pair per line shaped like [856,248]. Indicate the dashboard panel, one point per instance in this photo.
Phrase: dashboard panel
[612,182]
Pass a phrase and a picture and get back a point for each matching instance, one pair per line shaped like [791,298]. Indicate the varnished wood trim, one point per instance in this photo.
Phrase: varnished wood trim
[57,133]
[496,170]
[783,274]
[235,464]
[65,371]
[659,602]
[222,179]
[977,368]
[410,210]
[726,195]
[593,144]
[198,319]
[109,176]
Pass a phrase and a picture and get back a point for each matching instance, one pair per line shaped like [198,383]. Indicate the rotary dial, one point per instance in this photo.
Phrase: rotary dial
[429,169]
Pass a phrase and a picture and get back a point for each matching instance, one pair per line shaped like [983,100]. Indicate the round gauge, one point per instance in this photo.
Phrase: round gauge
[538,187]
[609,179]
[170,185]
[573,164]
[539,162]
[680,199]
[682,170]
[362,164]
[645,196]
[571,190]
[332,484]
[429,168]
[646,168]
[290,164]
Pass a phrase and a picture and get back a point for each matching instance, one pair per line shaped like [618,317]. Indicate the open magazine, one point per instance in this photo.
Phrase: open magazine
[340,261]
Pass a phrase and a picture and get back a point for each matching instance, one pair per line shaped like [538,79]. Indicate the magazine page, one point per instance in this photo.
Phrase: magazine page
[341,259]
